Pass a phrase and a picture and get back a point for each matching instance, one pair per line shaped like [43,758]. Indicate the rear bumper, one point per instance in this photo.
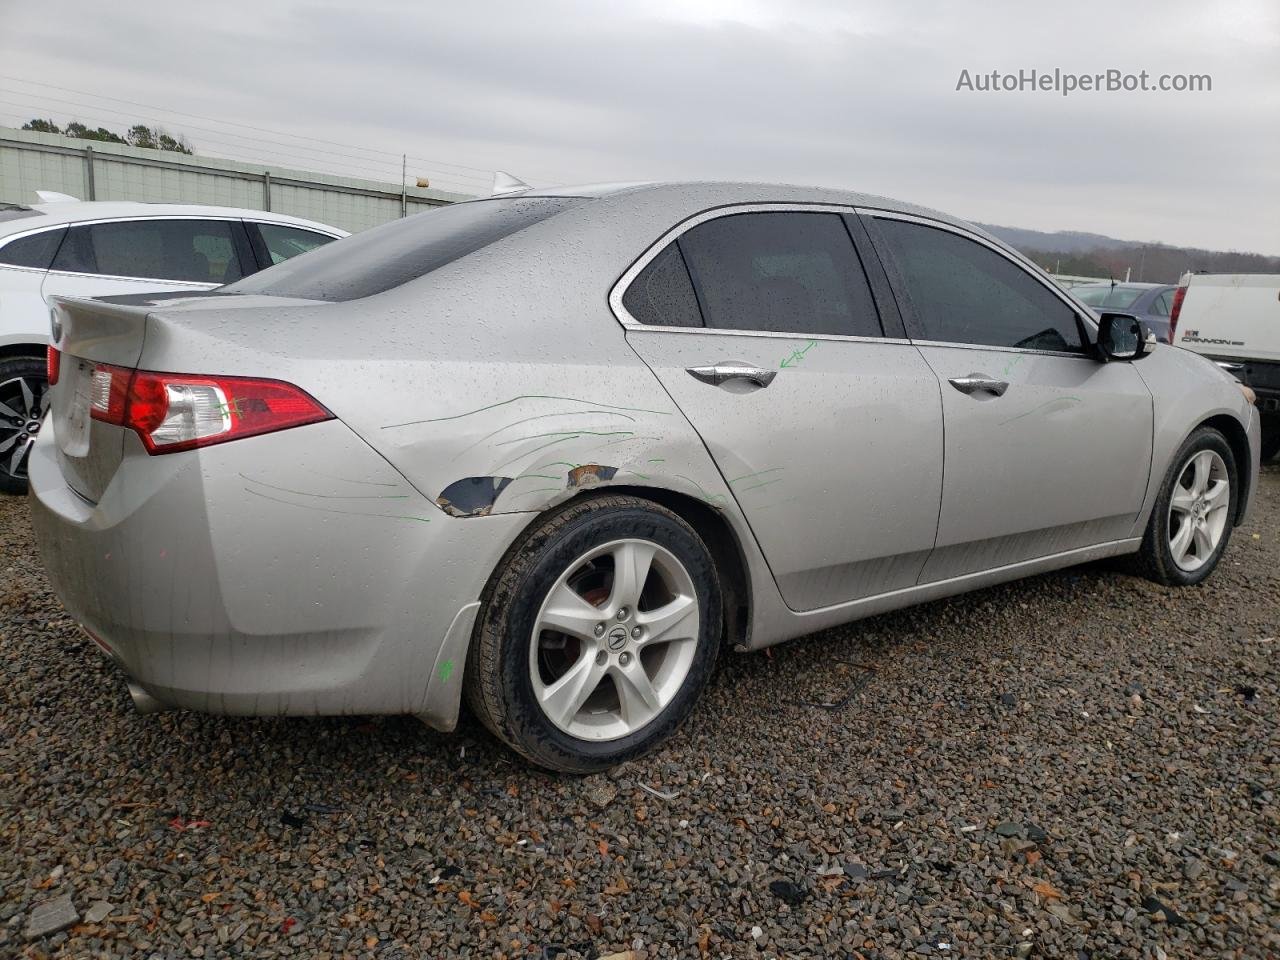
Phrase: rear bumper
[293,573]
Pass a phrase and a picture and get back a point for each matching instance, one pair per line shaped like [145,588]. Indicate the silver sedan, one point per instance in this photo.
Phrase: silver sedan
[553,452]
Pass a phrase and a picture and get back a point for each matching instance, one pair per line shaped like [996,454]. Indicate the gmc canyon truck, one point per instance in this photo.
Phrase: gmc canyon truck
[1234,320]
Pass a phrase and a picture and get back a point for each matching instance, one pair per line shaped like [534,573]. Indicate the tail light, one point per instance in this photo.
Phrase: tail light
[178,411]
[53,363]
[1178,296]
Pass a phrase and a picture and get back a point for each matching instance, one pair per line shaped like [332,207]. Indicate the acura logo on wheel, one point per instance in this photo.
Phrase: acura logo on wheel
[617,638]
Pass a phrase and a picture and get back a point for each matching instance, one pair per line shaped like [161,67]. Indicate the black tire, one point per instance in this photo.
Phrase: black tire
[1155,558]
[1270,438]
[498,686]
[15,434]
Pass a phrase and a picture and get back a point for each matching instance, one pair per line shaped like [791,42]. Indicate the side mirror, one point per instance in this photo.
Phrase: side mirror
[1122,336]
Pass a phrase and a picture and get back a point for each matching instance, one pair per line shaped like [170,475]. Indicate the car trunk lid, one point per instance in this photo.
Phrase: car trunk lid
[88,333]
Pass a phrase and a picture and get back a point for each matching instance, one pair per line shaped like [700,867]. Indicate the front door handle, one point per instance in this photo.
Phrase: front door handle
[976,382]
[728,370]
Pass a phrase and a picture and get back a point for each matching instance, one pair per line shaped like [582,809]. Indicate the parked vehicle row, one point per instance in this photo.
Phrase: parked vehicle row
[1234,320]
[1149,302]
[585,439]
[89,249]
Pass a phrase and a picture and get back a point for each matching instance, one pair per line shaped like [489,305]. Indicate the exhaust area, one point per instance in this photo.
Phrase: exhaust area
[144,702]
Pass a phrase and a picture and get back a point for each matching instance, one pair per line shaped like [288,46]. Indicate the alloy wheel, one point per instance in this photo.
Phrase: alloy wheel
[23,401]
[1198,509]
[614,640]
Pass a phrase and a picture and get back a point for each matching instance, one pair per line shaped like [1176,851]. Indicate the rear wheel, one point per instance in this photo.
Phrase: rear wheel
[1191,522]
[23,398]
[598,632]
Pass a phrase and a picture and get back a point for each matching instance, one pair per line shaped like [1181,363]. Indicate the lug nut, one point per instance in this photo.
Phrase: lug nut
[599,629]
[624,658]
[601,657]
[635,633]
[623,613]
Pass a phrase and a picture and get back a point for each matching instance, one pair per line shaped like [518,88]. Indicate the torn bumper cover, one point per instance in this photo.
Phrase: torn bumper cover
[296,573]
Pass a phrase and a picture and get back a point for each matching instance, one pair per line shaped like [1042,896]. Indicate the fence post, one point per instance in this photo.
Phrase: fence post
[88,172]
[266,190]
[404,189]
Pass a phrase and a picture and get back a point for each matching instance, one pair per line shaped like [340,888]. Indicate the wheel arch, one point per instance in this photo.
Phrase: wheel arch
[1238,439]
[716,533]
[14,351]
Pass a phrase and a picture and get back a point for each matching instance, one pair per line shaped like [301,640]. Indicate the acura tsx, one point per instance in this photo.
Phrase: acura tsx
[551,452]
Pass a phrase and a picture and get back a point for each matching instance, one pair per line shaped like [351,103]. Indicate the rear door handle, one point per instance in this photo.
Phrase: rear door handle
[728,370]
[980,382]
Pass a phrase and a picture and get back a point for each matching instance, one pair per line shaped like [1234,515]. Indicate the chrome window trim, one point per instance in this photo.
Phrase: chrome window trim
[184,284]
[624,317]
[619,289]
[1040,277]
[771,334]
[293,226]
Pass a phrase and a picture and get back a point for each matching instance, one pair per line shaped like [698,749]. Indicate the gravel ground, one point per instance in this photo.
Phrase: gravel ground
[1079,765]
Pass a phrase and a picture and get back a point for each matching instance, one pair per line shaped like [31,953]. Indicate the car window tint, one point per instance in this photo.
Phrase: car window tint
[782,272]
[37,250]
[283,242]
[1161,305]
[662,293]
[197,251]
[394,253]
[964,292]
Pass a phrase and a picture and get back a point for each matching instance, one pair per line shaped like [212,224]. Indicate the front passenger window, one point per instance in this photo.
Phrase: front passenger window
[964,292]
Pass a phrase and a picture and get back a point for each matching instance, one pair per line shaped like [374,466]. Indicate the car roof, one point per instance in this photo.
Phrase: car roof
[76,211]
[712,193]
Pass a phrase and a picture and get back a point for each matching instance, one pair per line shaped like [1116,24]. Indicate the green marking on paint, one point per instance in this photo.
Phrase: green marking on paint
[446,670]
[797,355]
[758,473]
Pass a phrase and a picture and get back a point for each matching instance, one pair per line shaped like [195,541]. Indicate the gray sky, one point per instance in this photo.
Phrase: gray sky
[809,91]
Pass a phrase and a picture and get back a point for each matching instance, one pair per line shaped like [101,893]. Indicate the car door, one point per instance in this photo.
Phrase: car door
[761,325]
[1047,450]
[150,254]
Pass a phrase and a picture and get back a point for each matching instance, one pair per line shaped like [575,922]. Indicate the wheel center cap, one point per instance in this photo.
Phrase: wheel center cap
[617,638]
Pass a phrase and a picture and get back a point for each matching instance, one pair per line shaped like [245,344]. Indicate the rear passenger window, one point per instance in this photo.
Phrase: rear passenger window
[780,272]
[963,292]
[196,251]
[284,243]
[662,294]
[36,250]
[1162,304]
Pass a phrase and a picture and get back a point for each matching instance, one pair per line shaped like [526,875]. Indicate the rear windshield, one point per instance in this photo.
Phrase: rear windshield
[1114,298]
[395,253]
[10,211]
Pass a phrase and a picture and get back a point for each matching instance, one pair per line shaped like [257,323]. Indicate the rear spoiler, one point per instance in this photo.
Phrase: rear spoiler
[98,330]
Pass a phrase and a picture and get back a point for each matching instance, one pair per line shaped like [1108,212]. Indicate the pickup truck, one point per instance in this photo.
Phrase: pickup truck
[1234,320]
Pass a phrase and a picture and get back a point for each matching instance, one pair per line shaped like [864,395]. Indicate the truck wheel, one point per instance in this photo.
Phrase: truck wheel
[1270,438]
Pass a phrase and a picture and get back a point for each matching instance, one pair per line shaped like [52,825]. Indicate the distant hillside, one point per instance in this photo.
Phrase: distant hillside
[1096,255]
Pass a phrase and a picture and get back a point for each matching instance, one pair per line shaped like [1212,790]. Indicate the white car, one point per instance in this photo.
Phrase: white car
[95,249]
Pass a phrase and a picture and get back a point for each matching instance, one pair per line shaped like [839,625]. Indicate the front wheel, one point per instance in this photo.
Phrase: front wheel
[598,632]
[24,388]
[1192,519]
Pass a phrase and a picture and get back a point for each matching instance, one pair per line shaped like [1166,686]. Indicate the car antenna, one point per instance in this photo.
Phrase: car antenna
[505,183]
